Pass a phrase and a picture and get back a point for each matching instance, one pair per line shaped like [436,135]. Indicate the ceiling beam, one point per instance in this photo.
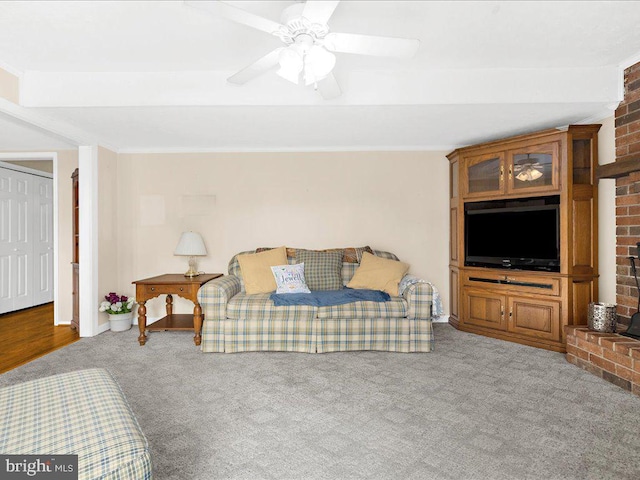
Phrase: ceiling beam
[360,87]
[58,129]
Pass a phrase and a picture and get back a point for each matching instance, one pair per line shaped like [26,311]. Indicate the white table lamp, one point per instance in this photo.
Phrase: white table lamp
[191,245]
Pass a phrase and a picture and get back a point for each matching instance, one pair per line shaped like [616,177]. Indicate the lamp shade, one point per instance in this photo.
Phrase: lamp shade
[291,63]
[190,244]
[319,62]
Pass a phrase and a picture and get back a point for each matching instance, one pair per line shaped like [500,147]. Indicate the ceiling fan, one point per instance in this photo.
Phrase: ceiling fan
[308,43]
[529,169]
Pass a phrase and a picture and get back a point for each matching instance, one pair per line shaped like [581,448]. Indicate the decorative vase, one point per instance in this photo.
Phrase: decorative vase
[601,317]
[120,322]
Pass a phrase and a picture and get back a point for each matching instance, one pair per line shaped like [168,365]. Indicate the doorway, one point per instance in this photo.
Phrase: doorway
[26,235]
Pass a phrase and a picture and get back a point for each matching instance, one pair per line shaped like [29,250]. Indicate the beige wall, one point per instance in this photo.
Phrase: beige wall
[606,214]
[394,201]
[108,217]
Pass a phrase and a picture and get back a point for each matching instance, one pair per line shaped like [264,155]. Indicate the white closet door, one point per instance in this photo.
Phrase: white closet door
[26,240]
[16,227]
[7,255]
[42,240]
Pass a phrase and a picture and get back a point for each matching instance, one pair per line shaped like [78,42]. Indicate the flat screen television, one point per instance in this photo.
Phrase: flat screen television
[516,234]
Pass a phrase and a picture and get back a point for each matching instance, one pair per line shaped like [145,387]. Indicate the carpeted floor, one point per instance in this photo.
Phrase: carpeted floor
[476,408]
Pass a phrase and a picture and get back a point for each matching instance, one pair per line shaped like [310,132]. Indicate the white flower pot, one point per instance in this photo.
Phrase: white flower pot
[120,322]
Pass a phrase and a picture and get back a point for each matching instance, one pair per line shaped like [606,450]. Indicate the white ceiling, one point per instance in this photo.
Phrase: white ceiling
[151,75]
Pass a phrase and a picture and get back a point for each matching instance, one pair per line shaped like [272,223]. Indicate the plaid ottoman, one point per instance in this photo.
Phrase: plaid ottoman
[82,413]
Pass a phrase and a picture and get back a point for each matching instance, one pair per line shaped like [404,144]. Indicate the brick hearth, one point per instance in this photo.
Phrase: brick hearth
[610,356]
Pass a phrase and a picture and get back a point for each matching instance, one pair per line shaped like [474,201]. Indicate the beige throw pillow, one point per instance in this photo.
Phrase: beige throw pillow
[256,269]
[377,273]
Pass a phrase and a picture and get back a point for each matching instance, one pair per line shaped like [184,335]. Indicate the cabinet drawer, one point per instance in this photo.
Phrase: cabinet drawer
[513,282]
[150,291]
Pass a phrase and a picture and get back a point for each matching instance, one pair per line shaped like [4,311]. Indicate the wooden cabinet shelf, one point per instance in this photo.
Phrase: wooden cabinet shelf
[529,307]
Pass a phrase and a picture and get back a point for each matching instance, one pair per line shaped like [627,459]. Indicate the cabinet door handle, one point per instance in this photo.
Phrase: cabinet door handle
[510,173]
[501,172]
[153,289]
[181,289]
[511,313]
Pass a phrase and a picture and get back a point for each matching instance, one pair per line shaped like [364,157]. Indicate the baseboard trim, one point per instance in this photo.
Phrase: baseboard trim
[103,327]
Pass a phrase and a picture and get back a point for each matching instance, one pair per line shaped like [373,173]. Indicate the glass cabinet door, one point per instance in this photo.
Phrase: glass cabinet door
[534,168]
[484,175]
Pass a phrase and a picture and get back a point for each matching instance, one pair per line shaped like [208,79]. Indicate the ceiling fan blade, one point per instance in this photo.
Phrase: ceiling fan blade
[236,14]
[329,88]
[258,67]
[319,11]
[371,45]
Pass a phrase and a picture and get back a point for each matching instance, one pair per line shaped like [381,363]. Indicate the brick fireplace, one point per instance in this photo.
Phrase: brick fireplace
[628,192]
[627,235]
[610,356]
[626,171]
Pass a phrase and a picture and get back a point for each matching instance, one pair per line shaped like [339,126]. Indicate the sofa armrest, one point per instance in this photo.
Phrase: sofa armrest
[215,294]
[420,298]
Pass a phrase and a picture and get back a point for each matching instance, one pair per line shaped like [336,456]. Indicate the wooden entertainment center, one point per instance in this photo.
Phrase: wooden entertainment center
[514,303]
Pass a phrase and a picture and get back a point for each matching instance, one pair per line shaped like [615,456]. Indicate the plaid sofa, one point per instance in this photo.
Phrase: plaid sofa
[80,413]
[237,322]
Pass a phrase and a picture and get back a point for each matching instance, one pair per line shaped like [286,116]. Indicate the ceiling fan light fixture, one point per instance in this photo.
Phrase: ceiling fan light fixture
[291,63]
[316,61]
[529,174]
[309,44]
[319,61]
[289,74]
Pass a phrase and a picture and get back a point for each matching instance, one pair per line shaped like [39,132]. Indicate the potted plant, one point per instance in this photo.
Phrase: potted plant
[119,308]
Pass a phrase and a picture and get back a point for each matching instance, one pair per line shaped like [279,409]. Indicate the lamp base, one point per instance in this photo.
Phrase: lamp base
[193,270]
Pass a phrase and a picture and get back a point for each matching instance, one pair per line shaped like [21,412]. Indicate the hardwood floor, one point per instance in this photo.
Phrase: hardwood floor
[28,334]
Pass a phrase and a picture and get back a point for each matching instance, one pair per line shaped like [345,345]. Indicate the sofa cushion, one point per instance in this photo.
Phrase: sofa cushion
[322,270]
[349,254]
[256,269]
[82,413]
[379,274]
[353,334]
[290,278]
[394,308]
[260,307]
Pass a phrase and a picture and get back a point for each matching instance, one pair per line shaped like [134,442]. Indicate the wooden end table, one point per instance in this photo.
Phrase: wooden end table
[171,284]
